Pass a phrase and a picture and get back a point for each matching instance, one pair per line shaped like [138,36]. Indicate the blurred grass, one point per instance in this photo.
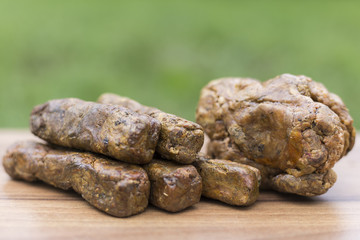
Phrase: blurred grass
[162,53]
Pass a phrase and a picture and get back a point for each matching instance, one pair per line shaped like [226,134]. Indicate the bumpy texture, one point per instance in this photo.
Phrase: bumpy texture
[307,185]
[174,187]
[180,140]
[116,188]
[107,129]
[228,181]
[286,125]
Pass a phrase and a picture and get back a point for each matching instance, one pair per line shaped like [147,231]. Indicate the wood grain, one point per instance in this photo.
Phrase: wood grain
[38,211]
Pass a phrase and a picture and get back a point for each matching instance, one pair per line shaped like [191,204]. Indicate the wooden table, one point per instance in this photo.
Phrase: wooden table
[38,211]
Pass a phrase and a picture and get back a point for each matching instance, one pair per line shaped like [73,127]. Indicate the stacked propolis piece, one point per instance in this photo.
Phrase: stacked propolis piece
[119,154]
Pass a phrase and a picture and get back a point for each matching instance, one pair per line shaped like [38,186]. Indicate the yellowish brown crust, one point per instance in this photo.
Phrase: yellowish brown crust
[228,181]
[286,125]
[180,140]
[107,129]
[174,187]
[119,189]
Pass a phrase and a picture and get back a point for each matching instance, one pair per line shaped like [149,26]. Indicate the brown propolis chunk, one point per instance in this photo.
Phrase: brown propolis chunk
[228,181]
[107,129]
[119,189]
[272,178]
[174,187]
[307,185]
[289,125]
[180,140]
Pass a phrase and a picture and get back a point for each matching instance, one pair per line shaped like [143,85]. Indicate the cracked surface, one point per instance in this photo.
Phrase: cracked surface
[228,181]
[107,129]
[288,124]
[307,185]
[180,140]
[116,188]
[174,187]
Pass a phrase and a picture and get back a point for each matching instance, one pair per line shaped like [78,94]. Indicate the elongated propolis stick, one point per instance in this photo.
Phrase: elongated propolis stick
[227,181]
[174,187]
[107,129]
[119,189]
[180,140]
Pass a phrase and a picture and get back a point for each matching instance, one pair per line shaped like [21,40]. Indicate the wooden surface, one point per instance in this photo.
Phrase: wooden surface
[38,211]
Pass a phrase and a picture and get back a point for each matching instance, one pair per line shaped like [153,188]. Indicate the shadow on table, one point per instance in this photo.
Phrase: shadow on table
[15,189]
[270,196]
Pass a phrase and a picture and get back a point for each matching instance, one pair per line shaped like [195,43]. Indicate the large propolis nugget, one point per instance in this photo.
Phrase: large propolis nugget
[180,140]
[119,189]
[228,181]
[107,129]
[174,187]
[289,127]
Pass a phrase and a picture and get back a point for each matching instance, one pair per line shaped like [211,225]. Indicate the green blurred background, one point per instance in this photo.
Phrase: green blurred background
[162,53]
